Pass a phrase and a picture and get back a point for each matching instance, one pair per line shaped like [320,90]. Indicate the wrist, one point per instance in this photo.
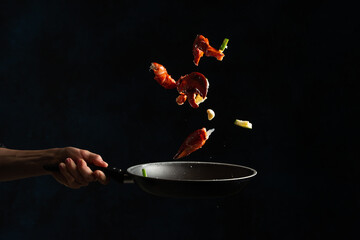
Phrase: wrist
[17,164]
[36,159]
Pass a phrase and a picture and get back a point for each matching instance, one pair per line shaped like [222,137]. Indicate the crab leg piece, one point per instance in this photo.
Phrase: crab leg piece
[162,77]
[202,46]
[193,142]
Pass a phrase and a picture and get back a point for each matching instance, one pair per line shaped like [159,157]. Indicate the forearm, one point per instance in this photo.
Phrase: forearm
[17,164]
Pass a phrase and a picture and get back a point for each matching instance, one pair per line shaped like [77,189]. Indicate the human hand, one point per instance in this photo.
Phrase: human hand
[73,170]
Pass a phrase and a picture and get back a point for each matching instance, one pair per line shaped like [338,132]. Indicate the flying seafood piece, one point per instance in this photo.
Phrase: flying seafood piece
[193,142]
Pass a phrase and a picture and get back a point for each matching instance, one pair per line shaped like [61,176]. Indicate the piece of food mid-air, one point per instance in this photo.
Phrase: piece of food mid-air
[244,124]
[192,87]
[224,45]
[201,47]
[162,76]
[193,142]
[210,114]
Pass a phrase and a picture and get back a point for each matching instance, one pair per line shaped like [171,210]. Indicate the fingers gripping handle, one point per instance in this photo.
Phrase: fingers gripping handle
[114,173]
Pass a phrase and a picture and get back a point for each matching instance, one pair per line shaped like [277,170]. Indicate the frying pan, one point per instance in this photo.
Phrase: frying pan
[182,179]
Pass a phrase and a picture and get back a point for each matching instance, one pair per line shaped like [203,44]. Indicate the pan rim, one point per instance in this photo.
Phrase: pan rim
[254,172]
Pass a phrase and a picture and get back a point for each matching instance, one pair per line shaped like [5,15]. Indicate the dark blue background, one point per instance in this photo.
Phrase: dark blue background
[77,74]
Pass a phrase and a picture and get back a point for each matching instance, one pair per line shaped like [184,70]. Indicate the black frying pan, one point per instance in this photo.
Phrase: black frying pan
[185,179]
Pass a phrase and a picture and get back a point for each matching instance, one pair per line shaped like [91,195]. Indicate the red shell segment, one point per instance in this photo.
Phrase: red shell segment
[202,46]
[191,85]
[192,143]
[188,86]
[162,77]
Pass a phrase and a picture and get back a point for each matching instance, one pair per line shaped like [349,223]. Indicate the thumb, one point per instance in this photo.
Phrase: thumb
[98,161]
[94,159]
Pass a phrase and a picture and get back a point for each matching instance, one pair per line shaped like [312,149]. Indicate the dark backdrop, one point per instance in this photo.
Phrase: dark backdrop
[77,74]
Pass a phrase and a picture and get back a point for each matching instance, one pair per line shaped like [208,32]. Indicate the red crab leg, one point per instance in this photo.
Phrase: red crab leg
[201,46]
[193,142]
[162,77]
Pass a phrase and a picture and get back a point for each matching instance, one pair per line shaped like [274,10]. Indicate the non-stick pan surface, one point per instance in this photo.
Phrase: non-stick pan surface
[183,179]
[191,179]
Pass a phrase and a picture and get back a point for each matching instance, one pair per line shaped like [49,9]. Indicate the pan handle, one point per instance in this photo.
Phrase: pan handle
[112,172]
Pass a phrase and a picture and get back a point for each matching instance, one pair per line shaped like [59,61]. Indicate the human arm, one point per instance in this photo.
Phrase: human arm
[72,162]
